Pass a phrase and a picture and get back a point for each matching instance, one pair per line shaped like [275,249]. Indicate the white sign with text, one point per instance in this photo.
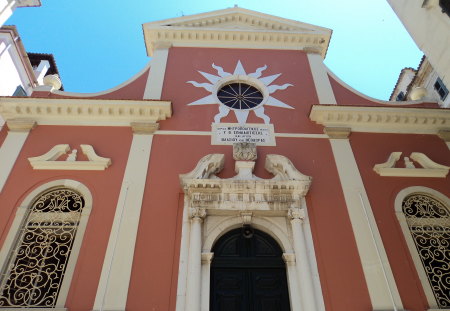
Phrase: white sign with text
[231,133]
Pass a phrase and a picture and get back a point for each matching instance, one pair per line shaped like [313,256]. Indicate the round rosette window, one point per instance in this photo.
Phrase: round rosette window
[240,96]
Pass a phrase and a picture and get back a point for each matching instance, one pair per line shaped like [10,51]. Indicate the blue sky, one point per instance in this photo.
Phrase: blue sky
[99,44]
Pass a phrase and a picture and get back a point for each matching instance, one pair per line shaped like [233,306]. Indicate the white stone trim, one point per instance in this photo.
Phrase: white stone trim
[380,281]
[155,80]
[90,112]
[324,90]
[9,151]
[382,119]
[410,242]
[114,281]
[18,222]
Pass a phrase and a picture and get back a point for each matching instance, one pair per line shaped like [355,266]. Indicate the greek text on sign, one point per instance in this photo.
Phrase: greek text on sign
[232,133]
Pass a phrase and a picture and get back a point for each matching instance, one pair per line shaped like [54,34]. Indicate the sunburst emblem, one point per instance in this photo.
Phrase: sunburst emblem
[240,92]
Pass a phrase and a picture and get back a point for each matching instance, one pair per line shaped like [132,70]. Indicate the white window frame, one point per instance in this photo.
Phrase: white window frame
[432,303]
[14,231]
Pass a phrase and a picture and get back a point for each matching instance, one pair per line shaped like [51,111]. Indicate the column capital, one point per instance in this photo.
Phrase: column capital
[289,259]
[295,213]
[444,134]
[144,127]
[20,125]
[312,50]
[197,213]
[207,258]
[337,132]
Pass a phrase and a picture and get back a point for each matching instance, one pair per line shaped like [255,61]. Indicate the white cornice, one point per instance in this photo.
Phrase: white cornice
[94,112]
[382,119]
[237,28]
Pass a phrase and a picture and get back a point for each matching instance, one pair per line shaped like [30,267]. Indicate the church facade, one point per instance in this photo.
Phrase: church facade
[234,172]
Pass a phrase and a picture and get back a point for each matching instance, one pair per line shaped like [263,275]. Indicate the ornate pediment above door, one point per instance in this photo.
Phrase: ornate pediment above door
[245,191]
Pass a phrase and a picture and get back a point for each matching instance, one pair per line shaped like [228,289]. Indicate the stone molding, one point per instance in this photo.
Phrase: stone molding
[236,27]
[382,119]
[233,196]
[93,112]
[429,167]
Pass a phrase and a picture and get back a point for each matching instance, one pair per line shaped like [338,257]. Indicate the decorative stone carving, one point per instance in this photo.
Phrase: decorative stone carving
[48,161]
[196,212]
[246,218]
[244,152]
[235,195]
[283,169]
[429,167]
[296,213]
[206,168]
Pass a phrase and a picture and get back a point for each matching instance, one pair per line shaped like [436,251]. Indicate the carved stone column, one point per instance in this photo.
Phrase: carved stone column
[303,266]
[206,269]
[296,303]
[195,260]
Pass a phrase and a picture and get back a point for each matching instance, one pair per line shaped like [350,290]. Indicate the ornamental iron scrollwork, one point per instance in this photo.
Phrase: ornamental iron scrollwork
[429,223]
[38,262]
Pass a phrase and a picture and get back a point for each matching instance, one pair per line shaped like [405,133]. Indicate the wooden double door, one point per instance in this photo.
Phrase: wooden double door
[248,273]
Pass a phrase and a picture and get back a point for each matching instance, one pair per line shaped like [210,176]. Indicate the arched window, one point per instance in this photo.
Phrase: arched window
[248,273]
[39,256]
[428,220]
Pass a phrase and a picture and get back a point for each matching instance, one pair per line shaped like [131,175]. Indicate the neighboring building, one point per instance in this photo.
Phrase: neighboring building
[7,7]
[428,23]
[234,172]
[421,84]
[21,72]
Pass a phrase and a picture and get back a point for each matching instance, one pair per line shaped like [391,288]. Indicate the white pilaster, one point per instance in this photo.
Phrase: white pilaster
[112,290]
[379,279]
[153,88]
[302,260]
[291,271]
[12,145]
[194,264]
[321,81]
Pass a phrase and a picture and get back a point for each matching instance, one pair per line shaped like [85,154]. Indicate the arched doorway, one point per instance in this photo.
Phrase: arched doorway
[248,273]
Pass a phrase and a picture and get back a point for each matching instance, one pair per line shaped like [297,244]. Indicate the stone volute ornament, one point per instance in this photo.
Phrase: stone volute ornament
[245,192]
